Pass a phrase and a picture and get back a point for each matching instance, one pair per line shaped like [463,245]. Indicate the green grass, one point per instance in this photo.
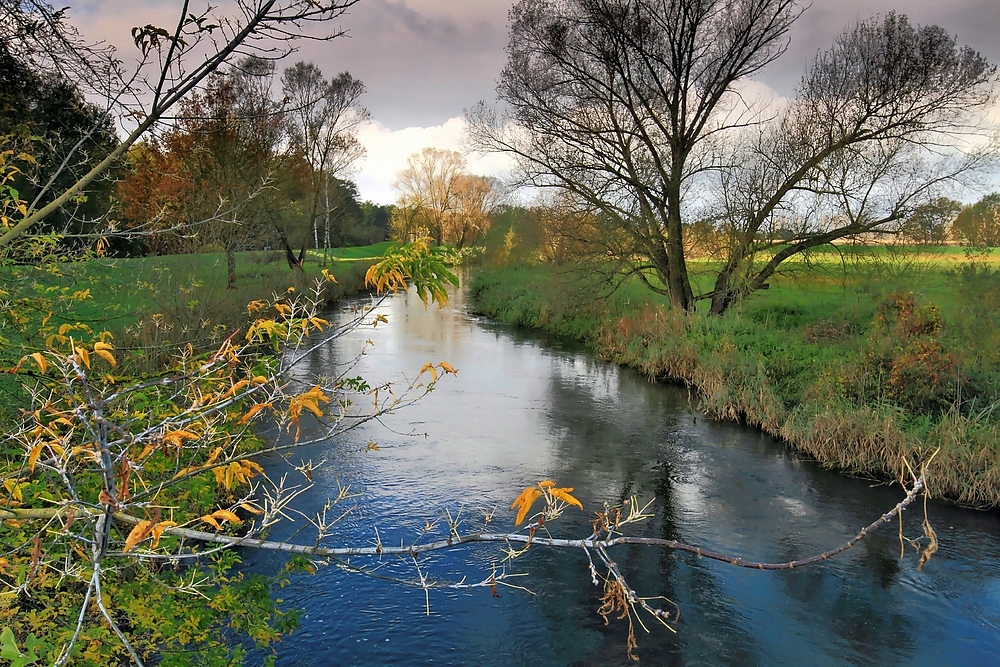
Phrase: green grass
[158,301]
[842,359]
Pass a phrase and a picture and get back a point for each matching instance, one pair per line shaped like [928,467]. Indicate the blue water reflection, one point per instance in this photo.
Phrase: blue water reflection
[524,409]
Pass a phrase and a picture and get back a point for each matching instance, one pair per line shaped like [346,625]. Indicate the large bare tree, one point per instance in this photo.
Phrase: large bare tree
[635,108]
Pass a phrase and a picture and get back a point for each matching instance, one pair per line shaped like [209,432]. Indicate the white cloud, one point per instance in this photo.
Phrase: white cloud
[387,151]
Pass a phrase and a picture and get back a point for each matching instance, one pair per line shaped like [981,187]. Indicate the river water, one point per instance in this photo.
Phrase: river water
[525,408]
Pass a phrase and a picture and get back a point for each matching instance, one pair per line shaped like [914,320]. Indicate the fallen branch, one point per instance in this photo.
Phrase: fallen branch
[455,540]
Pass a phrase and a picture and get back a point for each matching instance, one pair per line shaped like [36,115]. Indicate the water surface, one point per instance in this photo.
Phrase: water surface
[524,408]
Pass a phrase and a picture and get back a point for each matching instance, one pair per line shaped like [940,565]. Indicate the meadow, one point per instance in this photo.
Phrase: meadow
[867,359]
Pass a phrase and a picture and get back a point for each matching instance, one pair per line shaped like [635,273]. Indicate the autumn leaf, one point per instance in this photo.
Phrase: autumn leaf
[40,360]
[103,350]
[447,368]
[158,531]
[429,368]
[563,495]
[250,508]
[177,438]
[137,534]
[107,499]
[226,515]
[252,412]
[524,503]
[33,455]
[83,356]
[211,521]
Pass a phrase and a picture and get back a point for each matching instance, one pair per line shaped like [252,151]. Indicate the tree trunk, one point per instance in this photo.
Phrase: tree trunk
[290,258]
[231,267]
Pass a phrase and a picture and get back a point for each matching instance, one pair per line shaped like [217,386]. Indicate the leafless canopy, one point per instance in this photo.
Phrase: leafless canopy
[635,108]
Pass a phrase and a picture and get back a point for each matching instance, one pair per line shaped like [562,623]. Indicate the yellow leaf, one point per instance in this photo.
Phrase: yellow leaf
[33,455]
[283,308]
[547,484]
[250,508]
[524,503]
[429,367]
[329,276]
[137,534]
[107,356]
[259,380]
[563,495]
[40,360]
[226,515]
[83,355]
[13,489]
[252,412]
[235,388]
[211,521]
[158,531]
[447,368]
[64,329]
[101,345]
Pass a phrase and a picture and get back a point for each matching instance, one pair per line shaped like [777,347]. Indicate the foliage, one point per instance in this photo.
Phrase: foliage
[48,117]
[921,375]
[978,225]
[418,262]
[929,223]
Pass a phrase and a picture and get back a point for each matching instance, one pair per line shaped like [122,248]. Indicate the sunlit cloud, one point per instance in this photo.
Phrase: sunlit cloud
[388,150]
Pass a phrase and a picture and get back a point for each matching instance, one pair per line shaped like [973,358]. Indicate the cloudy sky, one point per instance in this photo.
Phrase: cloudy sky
[425,61]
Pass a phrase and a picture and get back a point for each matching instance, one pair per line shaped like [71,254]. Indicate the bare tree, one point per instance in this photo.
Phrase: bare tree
[881,124]
[323,118]
[171,62]
[634,106]
[439,198]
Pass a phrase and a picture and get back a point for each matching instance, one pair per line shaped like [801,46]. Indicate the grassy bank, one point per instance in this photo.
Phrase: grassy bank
[158,303]
[856,368]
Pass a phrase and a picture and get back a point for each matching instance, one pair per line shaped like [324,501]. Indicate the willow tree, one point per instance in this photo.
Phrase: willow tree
[634,107]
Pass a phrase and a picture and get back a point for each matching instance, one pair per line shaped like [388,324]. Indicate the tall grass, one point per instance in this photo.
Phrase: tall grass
[847,369]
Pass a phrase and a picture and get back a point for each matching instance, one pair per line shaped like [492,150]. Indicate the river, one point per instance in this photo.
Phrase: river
[524,408]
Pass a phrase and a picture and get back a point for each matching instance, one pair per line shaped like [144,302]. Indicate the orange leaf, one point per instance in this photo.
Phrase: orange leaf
[211,521]
[447,368]
[563,495]
[137,534]
[226,515]
[547,484]
[252,412]
[40,360]
[524,503]
[33,455]
[158,531]
[107,498]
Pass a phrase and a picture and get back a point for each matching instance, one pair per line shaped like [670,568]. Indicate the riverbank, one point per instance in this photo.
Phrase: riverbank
[865,386]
